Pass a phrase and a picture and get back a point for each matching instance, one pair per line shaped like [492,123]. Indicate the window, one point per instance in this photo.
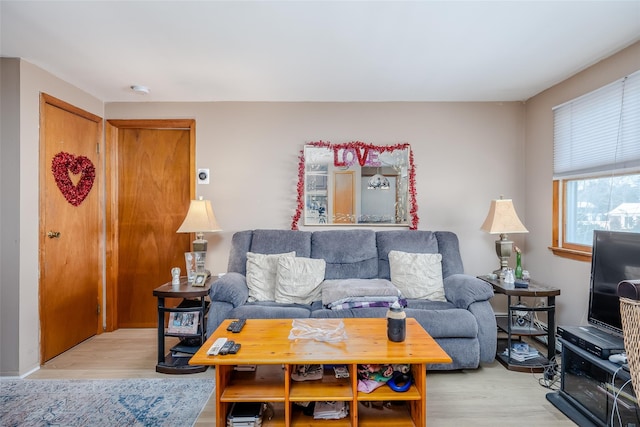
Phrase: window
[596,161]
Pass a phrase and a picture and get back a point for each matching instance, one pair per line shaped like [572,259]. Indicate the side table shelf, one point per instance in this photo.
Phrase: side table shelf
[193,300]
[505,346]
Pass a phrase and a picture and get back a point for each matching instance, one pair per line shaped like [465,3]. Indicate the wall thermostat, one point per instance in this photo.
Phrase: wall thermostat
[203,176]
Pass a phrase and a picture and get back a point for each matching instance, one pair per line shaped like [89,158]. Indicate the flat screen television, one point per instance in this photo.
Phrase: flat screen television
[615,257]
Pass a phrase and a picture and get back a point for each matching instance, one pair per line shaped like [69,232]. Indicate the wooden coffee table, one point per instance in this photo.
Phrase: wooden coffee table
[265,343]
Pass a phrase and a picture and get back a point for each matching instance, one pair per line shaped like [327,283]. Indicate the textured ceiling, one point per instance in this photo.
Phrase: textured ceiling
[316,50]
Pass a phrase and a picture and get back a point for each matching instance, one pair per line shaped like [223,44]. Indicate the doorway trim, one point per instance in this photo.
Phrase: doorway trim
[111,200]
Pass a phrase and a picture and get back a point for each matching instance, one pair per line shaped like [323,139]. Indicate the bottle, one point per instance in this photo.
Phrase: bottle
[518,271]
[396,323]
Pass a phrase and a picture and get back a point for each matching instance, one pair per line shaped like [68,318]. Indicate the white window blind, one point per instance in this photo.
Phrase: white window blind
[599,131]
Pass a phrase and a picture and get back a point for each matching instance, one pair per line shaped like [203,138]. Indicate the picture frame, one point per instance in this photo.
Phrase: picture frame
[183,322]
[200,279]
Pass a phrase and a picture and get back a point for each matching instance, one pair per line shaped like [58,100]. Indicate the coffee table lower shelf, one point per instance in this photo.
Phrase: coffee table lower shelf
[266,384]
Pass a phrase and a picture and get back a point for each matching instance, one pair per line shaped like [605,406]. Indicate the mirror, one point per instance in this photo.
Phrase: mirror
[356,183]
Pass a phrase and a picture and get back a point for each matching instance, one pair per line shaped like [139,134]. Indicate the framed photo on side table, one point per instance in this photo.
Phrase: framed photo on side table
[199,279]
[183,322]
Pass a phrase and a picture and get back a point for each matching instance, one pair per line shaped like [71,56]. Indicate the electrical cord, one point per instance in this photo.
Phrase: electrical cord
[615,411]
[550,375]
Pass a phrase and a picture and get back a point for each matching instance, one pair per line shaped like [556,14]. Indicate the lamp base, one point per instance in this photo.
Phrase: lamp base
[503,250]
[200,249]
[199,245]
[500,272]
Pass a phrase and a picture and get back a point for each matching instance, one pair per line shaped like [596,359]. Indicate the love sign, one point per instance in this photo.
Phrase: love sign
[350,155]
[65,163]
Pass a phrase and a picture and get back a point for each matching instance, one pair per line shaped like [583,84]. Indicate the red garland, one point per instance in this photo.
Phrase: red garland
[412,193]
[61,165]
[300,207]
[359,145]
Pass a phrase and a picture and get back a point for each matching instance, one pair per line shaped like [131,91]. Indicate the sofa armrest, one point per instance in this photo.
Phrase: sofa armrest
[463,290]
[231,288]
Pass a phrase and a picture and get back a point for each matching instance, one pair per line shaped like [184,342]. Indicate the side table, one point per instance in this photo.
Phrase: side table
[534,290]
[193,300]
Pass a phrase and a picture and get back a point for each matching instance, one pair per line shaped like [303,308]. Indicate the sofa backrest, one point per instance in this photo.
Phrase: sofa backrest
[353,253]
[449,247]
[350,254]
[266,242]
[418,241]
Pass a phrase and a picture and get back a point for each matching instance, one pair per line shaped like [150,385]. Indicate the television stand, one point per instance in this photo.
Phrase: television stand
[569,410]
[588,390]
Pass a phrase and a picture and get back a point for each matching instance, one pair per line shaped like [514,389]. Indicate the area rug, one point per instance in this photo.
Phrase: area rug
[131,402]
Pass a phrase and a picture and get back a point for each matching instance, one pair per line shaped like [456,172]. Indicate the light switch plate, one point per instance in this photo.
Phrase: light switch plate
[203,176]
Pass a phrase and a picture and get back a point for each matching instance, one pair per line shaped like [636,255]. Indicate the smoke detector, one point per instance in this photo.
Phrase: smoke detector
[142,90]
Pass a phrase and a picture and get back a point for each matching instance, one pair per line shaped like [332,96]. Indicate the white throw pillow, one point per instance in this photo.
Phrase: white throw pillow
[298,280]
[261,275]
[417,275]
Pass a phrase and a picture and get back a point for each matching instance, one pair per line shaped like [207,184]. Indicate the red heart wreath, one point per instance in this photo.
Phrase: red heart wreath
[62,164]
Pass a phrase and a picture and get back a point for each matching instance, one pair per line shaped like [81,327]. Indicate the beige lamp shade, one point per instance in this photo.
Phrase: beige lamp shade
[502,218]
[200,218]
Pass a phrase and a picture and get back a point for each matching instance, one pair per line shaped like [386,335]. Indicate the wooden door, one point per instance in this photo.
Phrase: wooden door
[344,198]
[70,226]
[151,165]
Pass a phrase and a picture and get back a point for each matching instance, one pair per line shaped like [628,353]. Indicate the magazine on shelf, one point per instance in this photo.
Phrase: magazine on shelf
[521,358]
[181,354]
[330,410]
[522,352]
[183,322]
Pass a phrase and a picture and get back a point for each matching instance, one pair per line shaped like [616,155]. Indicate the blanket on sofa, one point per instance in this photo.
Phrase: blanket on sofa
[341,294]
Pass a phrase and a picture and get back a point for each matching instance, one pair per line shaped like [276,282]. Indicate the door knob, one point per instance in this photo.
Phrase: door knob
[53,234]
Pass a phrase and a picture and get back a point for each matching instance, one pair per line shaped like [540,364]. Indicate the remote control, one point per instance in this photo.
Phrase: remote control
[236,326]
[234,349]
[216,346]
[226,347]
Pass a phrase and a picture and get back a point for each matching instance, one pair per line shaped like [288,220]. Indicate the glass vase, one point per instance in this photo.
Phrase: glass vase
[518,271]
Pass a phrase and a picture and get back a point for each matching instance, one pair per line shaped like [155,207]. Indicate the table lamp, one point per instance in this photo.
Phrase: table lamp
[200,219]
[502,219]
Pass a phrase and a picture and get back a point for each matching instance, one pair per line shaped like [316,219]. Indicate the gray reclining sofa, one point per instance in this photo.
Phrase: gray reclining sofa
[464,325]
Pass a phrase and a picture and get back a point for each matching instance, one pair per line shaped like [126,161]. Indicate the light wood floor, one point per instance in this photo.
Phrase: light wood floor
[489,396]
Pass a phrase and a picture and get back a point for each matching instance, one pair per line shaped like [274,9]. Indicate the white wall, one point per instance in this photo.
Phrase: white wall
[465,155]
[572,277]
[9,213]
[32,82]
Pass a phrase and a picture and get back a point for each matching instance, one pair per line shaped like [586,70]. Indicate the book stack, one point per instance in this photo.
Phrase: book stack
[521,352]
[245,414]
[330,410]
[181,350]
